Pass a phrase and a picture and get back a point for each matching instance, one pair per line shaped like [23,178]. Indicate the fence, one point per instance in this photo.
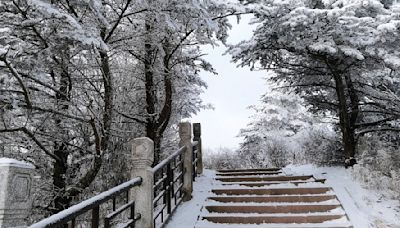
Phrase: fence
[150,197]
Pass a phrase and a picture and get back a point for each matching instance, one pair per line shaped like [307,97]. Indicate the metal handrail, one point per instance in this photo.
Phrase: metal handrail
[195,149]
[90,204]
[168,159]
[167,187]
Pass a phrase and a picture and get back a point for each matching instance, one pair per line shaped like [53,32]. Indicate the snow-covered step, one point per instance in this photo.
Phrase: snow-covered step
[332,221]
[274,199]
[248,170]
[283,225]
[260,184]
[269,198]
[264,178]
[210,202]
[337,212]
[272,209]
[272,191]
[287,219]
[256,173]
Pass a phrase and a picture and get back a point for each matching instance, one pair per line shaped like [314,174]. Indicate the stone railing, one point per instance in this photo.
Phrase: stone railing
[171,180]
[15,192]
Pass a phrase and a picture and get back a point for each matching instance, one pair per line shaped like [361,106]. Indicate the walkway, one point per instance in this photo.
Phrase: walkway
[245,198]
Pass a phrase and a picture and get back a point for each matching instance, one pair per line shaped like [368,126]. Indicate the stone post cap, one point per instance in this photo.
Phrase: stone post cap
[15,163]
[143,149]
[185,130]
[15,191]
[197,129]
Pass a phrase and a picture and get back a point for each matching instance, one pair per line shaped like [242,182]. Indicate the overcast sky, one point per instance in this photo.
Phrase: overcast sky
[230,92]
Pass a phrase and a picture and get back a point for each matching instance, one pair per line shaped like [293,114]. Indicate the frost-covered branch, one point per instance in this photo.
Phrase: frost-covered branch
[19,79]
[33,137]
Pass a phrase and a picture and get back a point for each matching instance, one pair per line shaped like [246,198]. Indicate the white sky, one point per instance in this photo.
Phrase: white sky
[230,92]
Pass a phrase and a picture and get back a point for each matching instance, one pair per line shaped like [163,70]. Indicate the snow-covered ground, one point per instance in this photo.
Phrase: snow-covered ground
[365,208]
[187,213]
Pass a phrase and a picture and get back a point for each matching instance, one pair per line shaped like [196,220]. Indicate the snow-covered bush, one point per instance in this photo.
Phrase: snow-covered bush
[265,152]
[320,146]
[222,158]
[284,131]
[379,163]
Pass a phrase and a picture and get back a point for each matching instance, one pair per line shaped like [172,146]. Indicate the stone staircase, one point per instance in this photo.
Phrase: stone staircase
[269,198]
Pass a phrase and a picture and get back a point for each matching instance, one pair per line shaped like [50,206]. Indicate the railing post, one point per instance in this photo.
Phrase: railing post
[197,137]
[142,159]
[15,192]
[185,133]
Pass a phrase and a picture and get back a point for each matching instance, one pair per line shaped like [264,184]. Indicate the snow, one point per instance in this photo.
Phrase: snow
[352,52]
[325,47]
[392,61]
[365,208]
[15,163]
[337,211]
[50,10]
[388,27]
[3,49]
[187,213]
[4,30]
[326,202]
[75,29]
[331,223]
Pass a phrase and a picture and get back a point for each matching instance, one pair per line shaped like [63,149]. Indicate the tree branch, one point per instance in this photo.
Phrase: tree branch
[32,136]
[20,81]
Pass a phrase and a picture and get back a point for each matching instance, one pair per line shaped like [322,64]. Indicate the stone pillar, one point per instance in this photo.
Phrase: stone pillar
[142,159]
[185,133]
[15,192]
[197,137]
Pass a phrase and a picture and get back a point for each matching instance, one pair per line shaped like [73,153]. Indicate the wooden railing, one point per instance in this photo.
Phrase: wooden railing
[151,196]
[67,218]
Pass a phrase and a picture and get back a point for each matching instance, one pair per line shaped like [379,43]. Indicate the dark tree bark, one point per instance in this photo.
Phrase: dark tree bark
[157,121]
[60,168]
[347,109]
[151,99]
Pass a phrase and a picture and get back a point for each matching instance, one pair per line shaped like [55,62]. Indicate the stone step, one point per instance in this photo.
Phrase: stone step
[271,178]
[272,209]
[258,184]
[270,225]
[249,173]
[274,219]
[273,199]
[247,197]
[272,191]
[247,170]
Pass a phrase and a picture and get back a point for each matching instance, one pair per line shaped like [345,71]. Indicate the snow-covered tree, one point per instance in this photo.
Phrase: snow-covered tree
[268,138]
[81,78]
[283,131]
[331,53]
[50,105]
[168,49]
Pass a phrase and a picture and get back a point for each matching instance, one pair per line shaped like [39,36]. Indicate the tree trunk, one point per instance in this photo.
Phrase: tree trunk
[151,99]
[157,123]
[346,120]
[354,115]
[61,200]
[108,101]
